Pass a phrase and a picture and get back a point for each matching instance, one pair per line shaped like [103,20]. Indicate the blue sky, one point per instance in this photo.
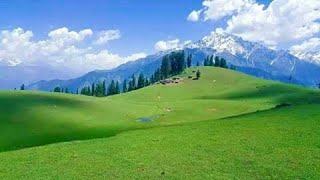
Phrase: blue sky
[142,22]
[86,35]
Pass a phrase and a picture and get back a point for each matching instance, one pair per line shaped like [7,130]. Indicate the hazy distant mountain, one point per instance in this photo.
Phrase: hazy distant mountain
[251,58]
[14,76]
[146,65]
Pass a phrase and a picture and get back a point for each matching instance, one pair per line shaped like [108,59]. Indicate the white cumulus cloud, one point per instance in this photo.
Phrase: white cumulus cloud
[194,16]
[169,44]
[66,36]
[135,56]
[61,49]
[166,45]
[282,23]
[310,45]
[216,9]
[106,36]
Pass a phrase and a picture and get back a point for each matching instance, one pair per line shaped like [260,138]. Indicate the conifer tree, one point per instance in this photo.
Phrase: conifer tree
[88,91]
[124,86]
[198,74]
[223,63]
[233,67]
[82,91]
[157,75]
[152,79]
[181,62]
[147,82]
[93,89]
[112,88]
[189,60]
[217,62]
[178,64]
[141,81]
[130,86]
[166,66]
[99,89]
[57,89]
[205,62]
[104,88]
[211,63]
[134,82]
[117,89]
[22,87]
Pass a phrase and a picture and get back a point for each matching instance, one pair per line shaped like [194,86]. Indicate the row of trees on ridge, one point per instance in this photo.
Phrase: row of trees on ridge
[172,64]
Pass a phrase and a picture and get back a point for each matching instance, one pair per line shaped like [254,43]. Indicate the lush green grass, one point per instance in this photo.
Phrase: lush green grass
[221,126]
[277,144]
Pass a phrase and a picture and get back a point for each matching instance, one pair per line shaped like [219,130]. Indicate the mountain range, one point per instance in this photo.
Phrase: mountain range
[248,57]
[313,57]
[14,76]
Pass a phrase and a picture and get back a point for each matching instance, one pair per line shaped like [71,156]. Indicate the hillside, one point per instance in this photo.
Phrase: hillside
[250,58]
[224,122]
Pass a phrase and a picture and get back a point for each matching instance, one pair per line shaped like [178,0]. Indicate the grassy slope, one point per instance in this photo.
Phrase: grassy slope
[277,144]
[268,143]
[31,118]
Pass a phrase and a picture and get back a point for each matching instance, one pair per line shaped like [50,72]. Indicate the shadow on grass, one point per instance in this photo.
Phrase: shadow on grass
[21,128]
[16,102]
[277,93]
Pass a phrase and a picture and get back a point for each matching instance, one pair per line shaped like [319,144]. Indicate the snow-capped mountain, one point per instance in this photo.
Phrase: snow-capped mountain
[313,57]
[251,58]
[279,65]
[223,42]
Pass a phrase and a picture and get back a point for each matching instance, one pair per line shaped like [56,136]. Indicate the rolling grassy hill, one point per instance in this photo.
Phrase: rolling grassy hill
[225,125]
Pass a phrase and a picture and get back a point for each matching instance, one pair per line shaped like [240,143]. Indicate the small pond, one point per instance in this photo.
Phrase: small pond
[146,119]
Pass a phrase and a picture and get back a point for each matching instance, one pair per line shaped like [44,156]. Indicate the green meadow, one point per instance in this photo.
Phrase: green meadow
[226,125]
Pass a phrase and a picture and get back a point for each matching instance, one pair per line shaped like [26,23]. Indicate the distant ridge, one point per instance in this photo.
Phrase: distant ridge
[251,58]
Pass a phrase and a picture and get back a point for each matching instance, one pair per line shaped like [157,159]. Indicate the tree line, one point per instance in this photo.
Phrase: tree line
[96,89]
[215,61]
[171,64]
[61,90]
